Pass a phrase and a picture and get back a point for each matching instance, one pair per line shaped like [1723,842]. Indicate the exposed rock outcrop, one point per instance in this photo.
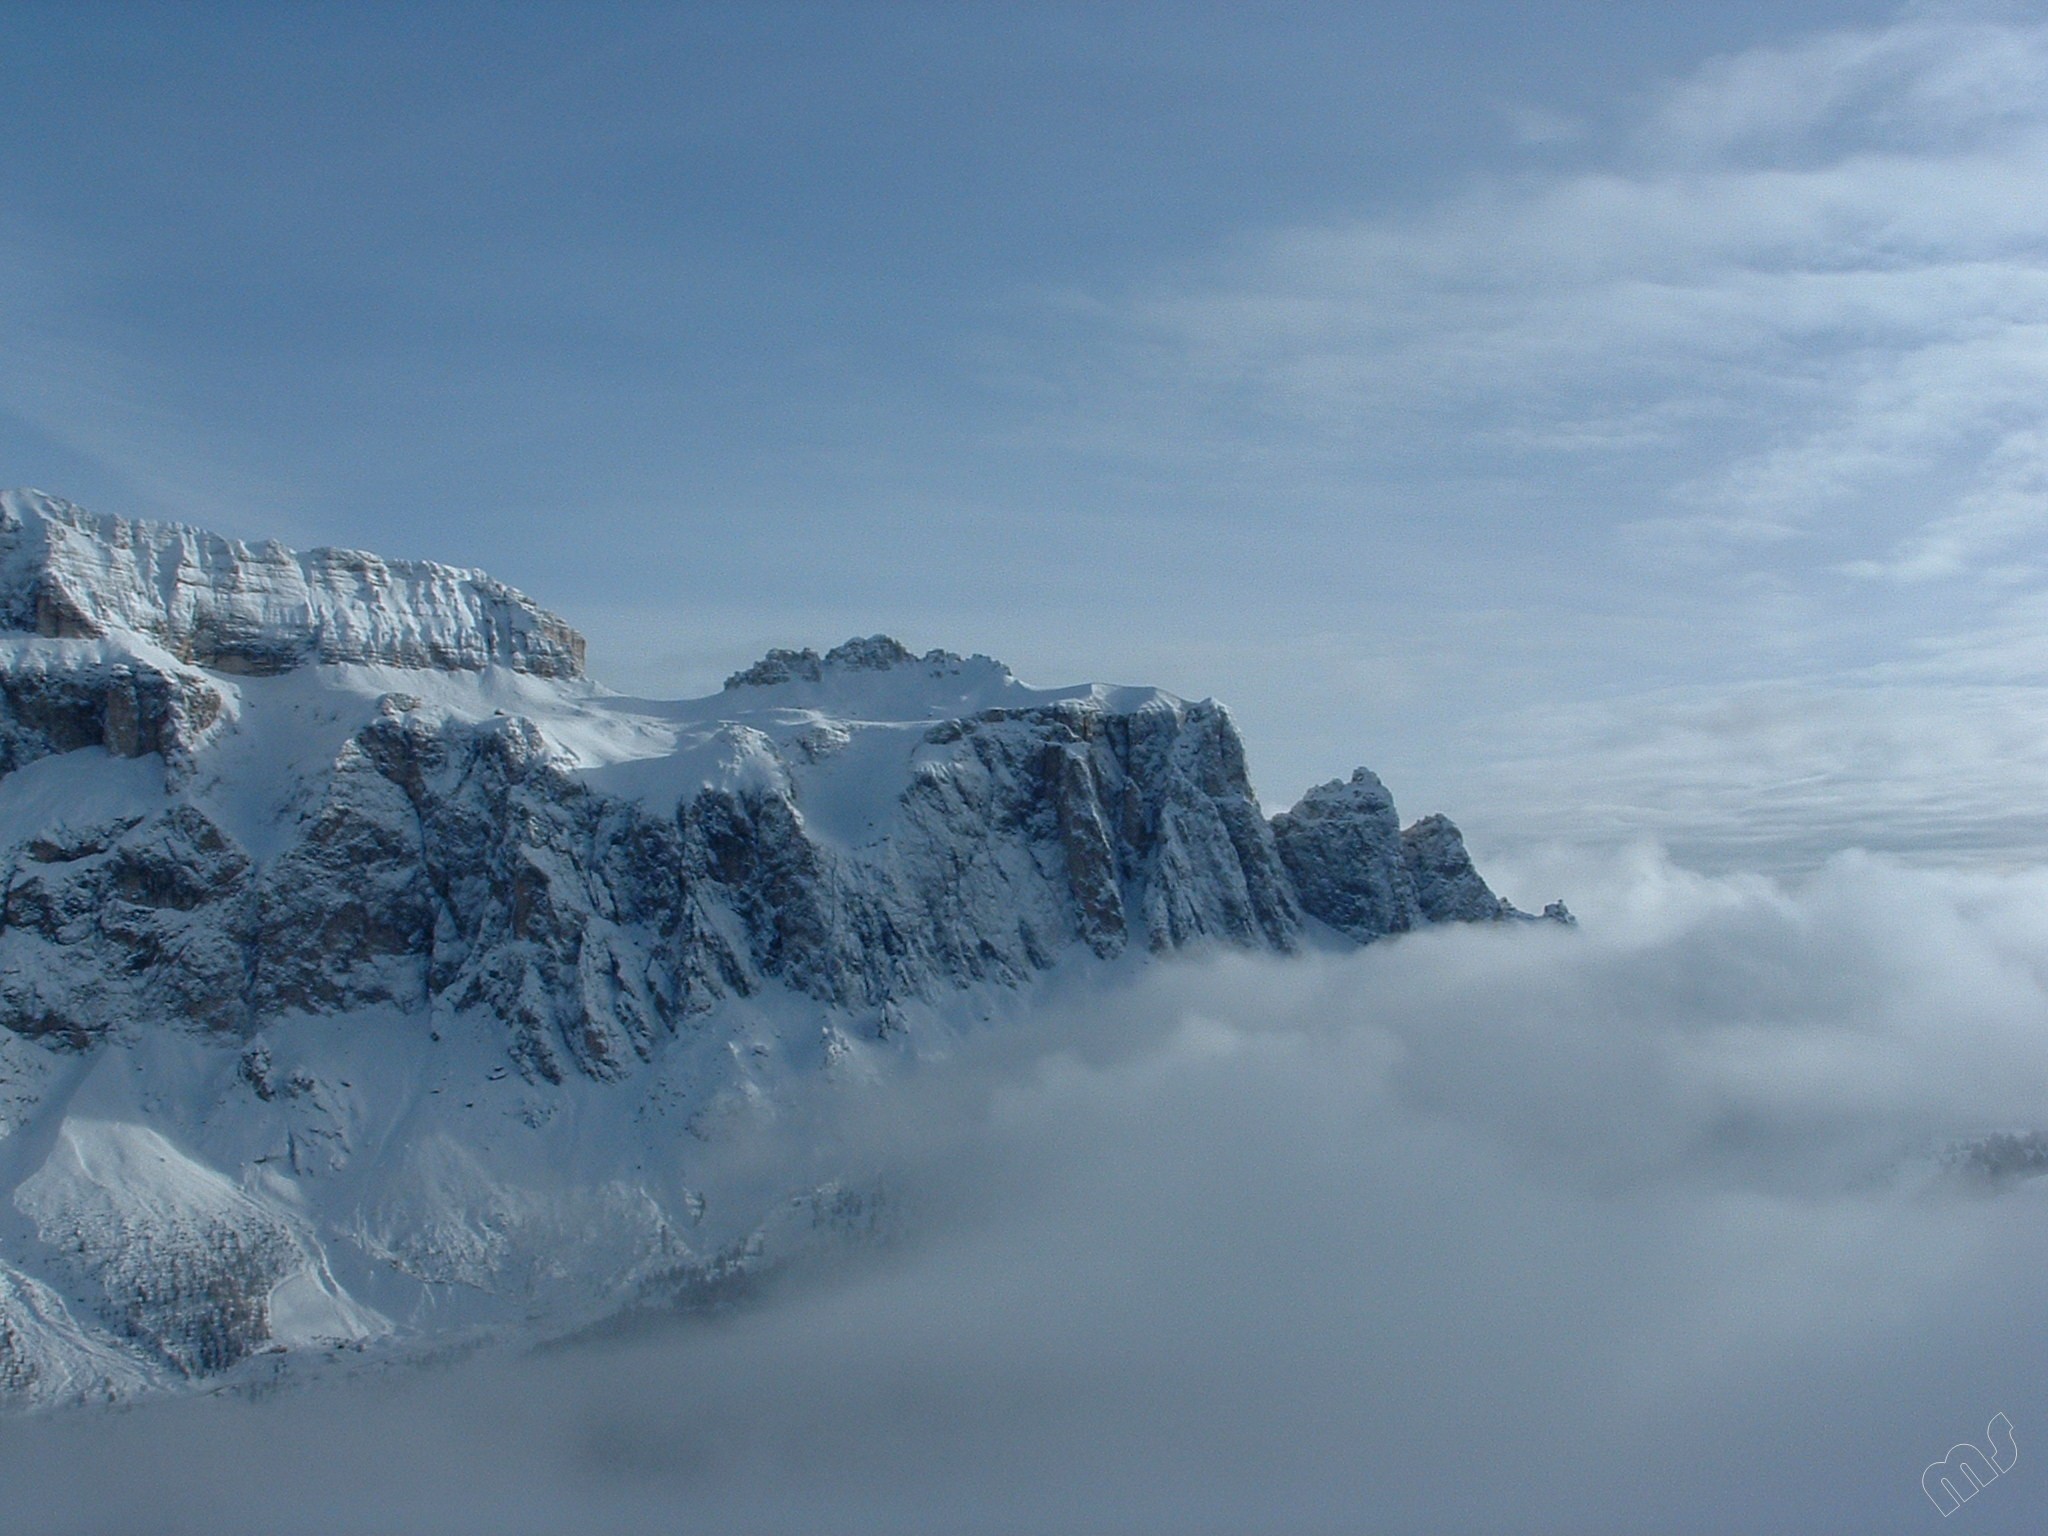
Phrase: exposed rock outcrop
[95,696]
[1357,870]
[1343,849]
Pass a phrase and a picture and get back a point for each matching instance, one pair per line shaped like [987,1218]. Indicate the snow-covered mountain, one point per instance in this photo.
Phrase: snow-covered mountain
[368,973]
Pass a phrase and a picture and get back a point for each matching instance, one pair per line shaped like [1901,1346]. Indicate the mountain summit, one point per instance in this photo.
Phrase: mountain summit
[66,573]
[362,962]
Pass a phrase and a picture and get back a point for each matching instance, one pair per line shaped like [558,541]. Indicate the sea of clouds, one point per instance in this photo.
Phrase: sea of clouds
[1643,1226]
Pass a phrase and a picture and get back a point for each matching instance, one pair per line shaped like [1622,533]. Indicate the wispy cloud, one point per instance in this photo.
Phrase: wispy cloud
[1805,298]
[1779,775]
[1739,409]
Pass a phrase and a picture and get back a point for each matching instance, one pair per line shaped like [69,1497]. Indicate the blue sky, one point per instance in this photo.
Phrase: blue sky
[1604,419]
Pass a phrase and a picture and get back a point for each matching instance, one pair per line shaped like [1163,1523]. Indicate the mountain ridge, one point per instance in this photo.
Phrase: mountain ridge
[68,573]
[258,818]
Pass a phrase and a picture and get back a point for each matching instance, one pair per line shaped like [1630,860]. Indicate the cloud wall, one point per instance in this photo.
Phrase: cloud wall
[1642,1227]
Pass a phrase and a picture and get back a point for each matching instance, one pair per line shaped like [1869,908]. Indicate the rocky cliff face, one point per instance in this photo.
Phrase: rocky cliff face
[232,607]
[265,815]
[1359,871]
[444,863]
[55,700]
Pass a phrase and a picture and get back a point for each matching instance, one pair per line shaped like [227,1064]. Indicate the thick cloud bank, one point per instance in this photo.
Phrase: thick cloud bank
[1640,1227]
